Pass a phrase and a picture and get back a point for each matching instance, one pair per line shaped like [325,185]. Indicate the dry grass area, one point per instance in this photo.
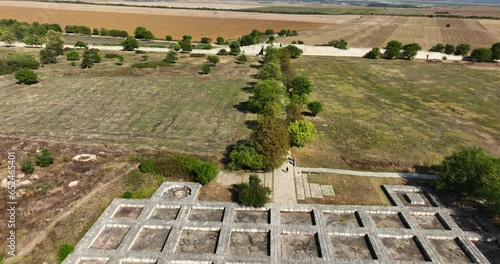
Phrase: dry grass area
[354,190]
[173,107]
[160,21]
[376,31]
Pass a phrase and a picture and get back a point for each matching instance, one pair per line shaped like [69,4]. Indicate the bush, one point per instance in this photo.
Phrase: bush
[142,33]
[223,52]
[26,76]
[94,55]
[148,166]
[45,158]
[204,172]
[64,251]
[339,44]
[315,107]
[444,58]
[213,59]
[294,112]
[302,132]
[462,49]
[171,57]
[168,38]
[253,193]
[127,195]
[242,59]
[481,55]
[72,55]
[373,54]
[449,49]
[437,48]
[244,155]
[197,55]
[130,43]
[111,55]
[73,63]
[294,51]
[27,166]
[13,62]
[206,69]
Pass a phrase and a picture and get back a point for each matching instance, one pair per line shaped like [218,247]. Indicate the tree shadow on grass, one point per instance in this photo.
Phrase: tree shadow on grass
[251,124]
[243,107]
[307,113]
[234,190]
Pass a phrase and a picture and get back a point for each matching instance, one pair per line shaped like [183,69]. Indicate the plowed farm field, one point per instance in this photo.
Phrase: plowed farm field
[376,31]
[160,21]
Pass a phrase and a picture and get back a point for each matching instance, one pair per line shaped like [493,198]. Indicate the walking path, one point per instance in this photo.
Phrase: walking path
[368,173]
[255,49]
[284,185]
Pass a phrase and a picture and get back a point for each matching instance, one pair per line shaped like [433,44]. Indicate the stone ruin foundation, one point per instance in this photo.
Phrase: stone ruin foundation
[173,227]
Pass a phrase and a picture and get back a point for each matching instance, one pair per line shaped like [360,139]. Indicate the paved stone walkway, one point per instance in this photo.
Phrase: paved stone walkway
[284,185]
[301,170]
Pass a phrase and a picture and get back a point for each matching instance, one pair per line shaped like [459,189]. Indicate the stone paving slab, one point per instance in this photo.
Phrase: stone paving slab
[316,191]
[327,190]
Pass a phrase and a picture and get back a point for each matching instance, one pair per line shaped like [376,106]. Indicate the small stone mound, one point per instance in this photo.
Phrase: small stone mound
[176,193]
[85,157]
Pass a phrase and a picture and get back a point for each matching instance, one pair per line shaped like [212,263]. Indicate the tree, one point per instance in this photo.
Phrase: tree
[302,132]
[273,54]
[220,41]
[27,166]
[206,69]
[44,159]
[64,251]
[301,85]
[269,32]
[248,40]
[244,155]
[176,47]
[130,43]
[270,71]
[373,54]
[72,55]
[55,42]
[213,59]
[410,51]
[393,49]
[272,139]
[253,193]
[481,55]
[94,55]
[449,49]
[168,38]
[81,44]
[95,31]
[26,76]
[204,172]
[339,44]
[264,92]
[234,48]
[187,38]
[286,67]
[48,56]
[271,39]
[471,173]
[87,60]
[437,48]
[171,57]
[33,40]
[142,33]
[185,45]
[495,51]
[462,49]
[294,112]
[294,51]
[315,107]
[206,40]
[8,38]
[273,109]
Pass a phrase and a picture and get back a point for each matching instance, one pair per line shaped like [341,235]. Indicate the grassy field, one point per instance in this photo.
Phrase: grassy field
[335,10]
[171,108]
[368,190]
[399,115]
[376,31]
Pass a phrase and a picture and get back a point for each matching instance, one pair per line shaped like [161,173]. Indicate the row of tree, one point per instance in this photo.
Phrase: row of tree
[278,126]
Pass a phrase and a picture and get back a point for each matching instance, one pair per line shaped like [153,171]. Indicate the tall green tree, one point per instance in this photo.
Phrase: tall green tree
[55,42]
[437,48]
[130,43]
[273,140]
[481,55]
[244,155]
[234,48]
[8,38]
[270,71]
[393,49]
[302,132]
[34,40]
[265,92]
[143,33]
[462,49]
[449,49]
[300,85]
[495,51]
[185,45]
[171,57]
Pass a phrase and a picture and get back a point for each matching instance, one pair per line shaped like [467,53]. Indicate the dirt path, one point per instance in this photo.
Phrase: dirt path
[42,234]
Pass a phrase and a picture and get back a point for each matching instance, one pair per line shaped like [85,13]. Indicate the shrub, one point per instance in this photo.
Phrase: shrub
[294,51]
[223,52]
[140,52]
[481,55]
[127,195]
[142,33]
[213,59]
[171,57]
[315,107]
[144,57]
[253,193]
[449,49]
[220,41]
[81,44]
[206,69]
[242,59]
[73,63]
[234,48]
[197,55]
[94,55]
[437,48]
[148,166]
[64,251]
[45,158]
[72,56]
[204,172]
[373,54]
[27,166]
[111,55]
[300,42]
[130,43]
[462,49]
[13,62]
[168,38]
[244,155]
[339,44]
[294,112]
[26,76]
[302,132]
